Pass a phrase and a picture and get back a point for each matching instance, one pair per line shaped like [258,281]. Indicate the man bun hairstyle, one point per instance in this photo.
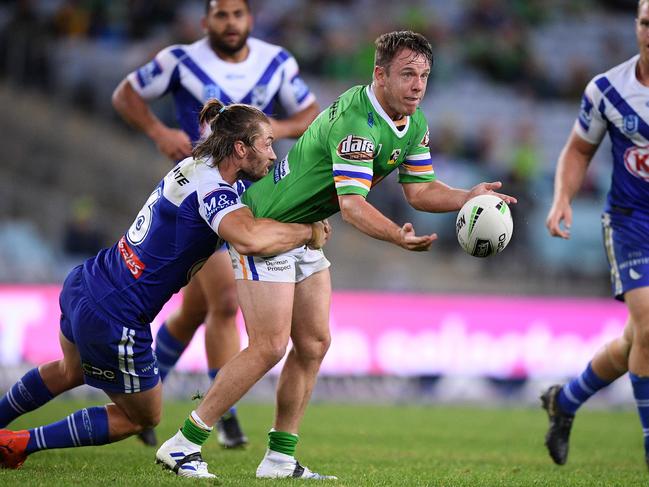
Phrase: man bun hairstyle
[390,44]
[228,124]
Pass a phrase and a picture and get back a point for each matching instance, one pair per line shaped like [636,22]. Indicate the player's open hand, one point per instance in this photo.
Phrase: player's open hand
[173,143]
[410,241]
[560,211]
[490,188]
[321,232]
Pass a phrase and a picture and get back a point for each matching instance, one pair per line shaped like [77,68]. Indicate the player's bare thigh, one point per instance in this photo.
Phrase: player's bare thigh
[310,324]
[218,286]
[637,300]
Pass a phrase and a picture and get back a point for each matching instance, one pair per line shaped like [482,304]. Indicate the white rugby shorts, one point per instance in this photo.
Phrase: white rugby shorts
[292,266]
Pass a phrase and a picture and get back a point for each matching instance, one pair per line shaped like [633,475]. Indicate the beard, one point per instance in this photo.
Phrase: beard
[219,45]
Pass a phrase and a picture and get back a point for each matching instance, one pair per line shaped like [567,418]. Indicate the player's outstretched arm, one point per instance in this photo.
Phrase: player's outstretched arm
[357,211]
[571,170]
[262,236]
[173,143]
[438,197]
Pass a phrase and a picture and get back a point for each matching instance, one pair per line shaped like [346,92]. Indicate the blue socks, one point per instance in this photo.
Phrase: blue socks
[212,373]
[579,389]
[84,428]
[27,394]
[167,350]
[641,393]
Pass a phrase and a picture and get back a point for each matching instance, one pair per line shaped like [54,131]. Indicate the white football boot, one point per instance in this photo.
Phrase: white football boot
[183,458]
[277,465]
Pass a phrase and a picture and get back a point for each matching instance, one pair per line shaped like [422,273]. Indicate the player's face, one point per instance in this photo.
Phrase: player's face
[258,162]
[228,24]
[404,83]
[642,31]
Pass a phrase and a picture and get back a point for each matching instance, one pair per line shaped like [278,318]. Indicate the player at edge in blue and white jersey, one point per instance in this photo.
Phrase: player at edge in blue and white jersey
[616,102]
[107,303]
[230,66]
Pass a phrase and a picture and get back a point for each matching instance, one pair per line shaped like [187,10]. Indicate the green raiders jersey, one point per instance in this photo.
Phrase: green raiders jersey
[348,149]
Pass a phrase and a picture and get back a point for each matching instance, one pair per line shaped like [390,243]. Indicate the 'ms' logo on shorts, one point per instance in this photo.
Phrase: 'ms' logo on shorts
[355,148]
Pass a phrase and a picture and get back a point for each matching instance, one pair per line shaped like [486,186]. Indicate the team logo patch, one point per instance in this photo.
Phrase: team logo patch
[370,119]
[636,161]
[426,139]
[299,87]
[148,72]
[211,91]
[258,96]
[394,157]
[218,201]
[586,111]
[355,148]
[631,123]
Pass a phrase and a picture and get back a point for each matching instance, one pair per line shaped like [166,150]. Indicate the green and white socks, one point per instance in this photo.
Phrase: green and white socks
[195,430]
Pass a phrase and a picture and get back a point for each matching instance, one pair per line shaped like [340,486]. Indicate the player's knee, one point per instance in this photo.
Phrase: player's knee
[271,351]
[314,348]
[227,305]
[72,376]
[641,337]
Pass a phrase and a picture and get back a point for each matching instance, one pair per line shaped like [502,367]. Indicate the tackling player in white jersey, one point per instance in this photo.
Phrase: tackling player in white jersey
[615,102]
[232,67]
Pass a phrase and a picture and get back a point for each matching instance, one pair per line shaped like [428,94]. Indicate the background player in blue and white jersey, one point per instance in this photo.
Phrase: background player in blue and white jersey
[108,302]
[616,102]
[230,66]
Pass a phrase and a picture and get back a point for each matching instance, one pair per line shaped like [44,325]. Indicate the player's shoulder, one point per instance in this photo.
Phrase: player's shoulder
[620,73]
[266,49]
[352,109]
[179,51]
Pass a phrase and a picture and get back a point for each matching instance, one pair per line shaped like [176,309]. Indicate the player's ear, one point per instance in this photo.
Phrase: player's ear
[240,149]
[379,75]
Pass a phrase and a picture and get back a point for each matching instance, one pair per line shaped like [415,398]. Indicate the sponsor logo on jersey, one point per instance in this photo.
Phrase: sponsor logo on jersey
[97,373]
[355,148]
[299,87]
[132,261]
[333,109]
[148,72]
[258,98]
[217,201]
[630,124]
[636,161]
[211,91]
[426,139]
[394,157]
[281,170]
[370,119]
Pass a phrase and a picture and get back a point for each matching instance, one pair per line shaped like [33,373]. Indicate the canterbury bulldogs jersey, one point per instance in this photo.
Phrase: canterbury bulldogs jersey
[170,239]
[616,102]
[193,73]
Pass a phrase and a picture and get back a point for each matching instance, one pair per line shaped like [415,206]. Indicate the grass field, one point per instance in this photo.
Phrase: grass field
[369,446]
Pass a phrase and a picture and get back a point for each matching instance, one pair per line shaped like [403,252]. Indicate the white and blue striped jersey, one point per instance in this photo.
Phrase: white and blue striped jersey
[194,74]
[617,103]
[172,236]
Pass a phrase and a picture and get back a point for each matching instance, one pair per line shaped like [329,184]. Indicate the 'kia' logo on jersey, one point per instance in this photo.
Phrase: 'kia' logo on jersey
[636,161]
[355,148]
